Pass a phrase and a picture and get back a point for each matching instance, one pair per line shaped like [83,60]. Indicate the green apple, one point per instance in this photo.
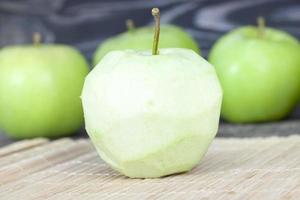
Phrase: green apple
[259,70]
[40,88]
[141,39]
[151,115]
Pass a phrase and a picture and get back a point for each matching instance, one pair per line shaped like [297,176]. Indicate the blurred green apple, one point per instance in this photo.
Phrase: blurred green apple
[40,87]
[259,70]
[151,115]
[141,39]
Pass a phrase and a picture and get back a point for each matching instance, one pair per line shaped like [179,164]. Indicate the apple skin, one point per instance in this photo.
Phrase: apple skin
[40,90]
[141,39]
[259,76]
[152,115]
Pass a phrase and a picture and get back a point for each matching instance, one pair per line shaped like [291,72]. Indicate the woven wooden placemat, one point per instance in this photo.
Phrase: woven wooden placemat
[256,168]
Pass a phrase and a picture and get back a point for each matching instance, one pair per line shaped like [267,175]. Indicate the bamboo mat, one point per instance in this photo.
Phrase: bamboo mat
[254,168]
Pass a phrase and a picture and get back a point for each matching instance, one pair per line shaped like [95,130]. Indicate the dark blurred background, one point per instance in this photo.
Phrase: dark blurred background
[85,23]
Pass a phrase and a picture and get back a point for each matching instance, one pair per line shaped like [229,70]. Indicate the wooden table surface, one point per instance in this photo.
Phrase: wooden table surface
[233,169]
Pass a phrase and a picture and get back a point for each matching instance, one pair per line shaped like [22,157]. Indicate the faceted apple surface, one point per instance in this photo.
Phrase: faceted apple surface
[141,39]
[151,116]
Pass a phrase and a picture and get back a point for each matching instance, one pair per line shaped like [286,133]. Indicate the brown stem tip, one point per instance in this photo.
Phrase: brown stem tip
[36,38]
[156,15]
[261,23]
[130,25]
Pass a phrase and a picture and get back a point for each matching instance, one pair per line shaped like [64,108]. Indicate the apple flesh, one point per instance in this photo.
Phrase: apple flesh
[40,88]
[141,39]
[152,115]
[259,75]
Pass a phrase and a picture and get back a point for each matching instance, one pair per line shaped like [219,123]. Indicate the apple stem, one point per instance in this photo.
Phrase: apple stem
[36,38]
[155,14]
[261,26]
[130,25]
